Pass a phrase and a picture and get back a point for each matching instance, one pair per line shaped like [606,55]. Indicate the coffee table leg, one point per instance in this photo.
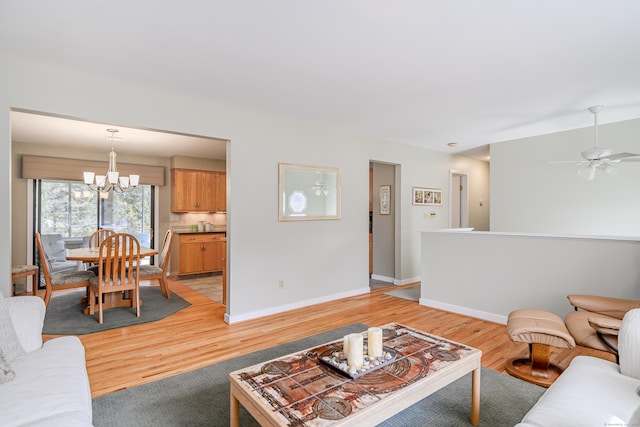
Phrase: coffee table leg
[475,397]
[234,411]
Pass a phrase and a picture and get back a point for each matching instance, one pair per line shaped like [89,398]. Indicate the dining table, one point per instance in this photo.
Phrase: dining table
[92,255]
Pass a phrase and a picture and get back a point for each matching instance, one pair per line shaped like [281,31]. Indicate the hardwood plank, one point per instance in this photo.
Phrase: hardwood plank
[198,336]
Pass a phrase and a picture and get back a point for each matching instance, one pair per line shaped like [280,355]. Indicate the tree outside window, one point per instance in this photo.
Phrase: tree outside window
[70,209]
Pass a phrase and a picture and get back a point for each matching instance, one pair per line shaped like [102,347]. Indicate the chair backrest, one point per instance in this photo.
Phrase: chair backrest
[53,246]
[143,238]
[166,249]
[45,267]
[98,236]
[119,262]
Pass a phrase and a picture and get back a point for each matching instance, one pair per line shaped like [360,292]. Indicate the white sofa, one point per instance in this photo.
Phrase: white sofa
[593,391]
[50,386]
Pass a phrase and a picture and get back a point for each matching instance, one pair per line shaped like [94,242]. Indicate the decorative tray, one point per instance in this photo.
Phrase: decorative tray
[337,360]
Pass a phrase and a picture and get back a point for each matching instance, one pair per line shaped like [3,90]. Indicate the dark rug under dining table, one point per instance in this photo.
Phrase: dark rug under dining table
[65,317]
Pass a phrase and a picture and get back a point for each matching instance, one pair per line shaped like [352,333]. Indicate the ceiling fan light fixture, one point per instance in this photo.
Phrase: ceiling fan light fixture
[587,172]
[608,169]
[599,158]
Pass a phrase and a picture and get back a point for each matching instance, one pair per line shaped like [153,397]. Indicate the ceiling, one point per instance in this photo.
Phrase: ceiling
[61,131]
[421,72]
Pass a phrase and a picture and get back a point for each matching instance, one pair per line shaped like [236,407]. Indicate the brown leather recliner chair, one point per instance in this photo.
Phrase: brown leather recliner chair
[597,319]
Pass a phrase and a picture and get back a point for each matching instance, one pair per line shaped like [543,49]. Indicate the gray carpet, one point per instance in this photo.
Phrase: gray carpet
[201,397]
[64,314]
[412,293]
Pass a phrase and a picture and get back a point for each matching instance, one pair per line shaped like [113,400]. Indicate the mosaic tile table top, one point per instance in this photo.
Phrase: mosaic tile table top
[299,390]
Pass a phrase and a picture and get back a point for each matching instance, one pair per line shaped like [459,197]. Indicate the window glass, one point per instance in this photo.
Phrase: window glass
[67,208]
[70,209]
[128,213]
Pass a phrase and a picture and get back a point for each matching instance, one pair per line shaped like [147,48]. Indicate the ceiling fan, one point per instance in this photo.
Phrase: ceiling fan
[600,158]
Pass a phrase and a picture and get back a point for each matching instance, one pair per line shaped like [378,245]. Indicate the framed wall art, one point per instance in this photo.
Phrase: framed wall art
[308,193]
[427,196]
[385,200]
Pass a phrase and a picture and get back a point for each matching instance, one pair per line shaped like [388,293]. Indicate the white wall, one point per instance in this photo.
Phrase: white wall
[317,260]
[488,275]
[529,195]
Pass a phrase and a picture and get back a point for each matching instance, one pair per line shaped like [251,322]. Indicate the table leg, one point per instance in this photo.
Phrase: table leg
[475,397]
[234,411]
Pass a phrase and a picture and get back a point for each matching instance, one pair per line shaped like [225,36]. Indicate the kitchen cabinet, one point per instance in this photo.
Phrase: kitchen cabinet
[198,191]
[221,192]
[198,253]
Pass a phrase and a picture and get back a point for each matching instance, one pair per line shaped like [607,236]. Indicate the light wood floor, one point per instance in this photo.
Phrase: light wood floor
[197,336]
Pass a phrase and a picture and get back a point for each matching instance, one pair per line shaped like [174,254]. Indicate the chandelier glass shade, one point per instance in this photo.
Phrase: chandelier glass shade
[111,181]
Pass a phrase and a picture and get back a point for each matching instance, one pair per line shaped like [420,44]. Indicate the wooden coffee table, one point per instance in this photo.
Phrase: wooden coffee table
[298,390]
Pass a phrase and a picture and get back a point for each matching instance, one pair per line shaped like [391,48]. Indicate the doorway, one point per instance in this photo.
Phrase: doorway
[458,183]
[383,211]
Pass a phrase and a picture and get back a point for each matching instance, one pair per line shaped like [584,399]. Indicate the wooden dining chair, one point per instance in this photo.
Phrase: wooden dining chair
[62,280]
[98,236]
[159,272]
[118,269]
[95,239]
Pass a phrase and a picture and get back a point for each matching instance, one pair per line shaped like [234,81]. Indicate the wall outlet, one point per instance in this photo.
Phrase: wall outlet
[281,284]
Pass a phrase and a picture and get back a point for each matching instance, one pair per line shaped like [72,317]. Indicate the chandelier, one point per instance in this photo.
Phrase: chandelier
[112,180]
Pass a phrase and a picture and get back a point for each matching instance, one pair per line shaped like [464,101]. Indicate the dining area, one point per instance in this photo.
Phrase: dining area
[58,203]
[110,268]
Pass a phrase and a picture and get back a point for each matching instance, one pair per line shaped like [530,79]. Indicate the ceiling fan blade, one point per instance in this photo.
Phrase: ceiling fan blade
[575,162]
[630,159]
[619,156]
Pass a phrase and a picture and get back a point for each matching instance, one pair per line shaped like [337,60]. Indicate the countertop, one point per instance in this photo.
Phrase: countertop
[188,231]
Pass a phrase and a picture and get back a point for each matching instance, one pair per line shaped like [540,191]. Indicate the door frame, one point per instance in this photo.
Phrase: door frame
[395,214]
[463,194]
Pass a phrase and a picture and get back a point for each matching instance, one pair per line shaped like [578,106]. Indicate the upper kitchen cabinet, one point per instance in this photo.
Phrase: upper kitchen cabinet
[198,191]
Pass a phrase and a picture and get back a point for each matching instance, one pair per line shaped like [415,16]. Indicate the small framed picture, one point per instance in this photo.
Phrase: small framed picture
[385,200]
[427,196]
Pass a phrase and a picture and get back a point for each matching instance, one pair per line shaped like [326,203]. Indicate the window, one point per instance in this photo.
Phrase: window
[66,208]
[71,210]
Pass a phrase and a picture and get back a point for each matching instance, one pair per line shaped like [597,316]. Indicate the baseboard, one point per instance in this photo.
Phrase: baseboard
[464,310]
[395,281]
[287,307]
[407,281]
[382,278]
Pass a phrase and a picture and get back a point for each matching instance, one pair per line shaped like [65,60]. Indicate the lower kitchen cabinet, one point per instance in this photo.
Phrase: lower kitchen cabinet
[198,253]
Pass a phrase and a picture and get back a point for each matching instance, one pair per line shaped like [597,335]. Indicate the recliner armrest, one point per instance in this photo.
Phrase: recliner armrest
[614,307]
[605,325]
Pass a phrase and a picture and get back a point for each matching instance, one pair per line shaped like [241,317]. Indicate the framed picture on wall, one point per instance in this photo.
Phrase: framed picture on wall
[385,200]
[427,196]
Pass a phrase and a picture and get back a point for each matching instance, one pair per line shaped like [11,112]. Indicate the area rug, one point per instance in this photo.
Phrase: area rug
[411,293]
[64,314]
[201,397]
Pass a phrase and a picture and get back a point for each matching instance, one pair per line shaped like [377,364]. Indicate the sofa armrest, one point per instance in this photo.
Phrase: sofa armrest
[27,315]
[614,307]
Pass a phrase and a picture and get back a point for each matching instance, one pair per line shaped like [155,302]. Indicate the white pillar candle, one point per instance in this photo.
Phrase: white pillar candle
[345,344]
[355,354]
[374,347]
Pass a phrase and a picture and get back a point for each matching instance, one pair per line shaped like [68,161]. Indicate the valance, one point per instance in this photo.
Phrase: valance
[40,167]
